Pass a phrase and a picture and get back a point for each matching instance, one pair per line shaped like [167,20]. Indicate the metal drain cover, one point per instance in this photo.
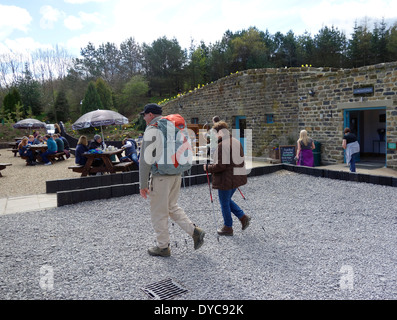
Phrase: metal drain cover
[164,289]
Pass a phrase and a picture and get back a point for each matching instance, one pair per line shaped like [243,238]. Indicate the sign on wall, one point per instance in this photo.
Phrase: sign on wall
[287,154]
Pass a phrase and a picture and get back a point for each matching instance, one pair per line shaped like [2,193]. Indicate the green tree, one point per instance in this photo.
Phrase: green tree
[133,95]
[304,49]
[379,43]
[198,68]
[105,94]
[249,50]
[130,58]
[19,112]
[3,115]
[30,90]
[391,45]
[219,59]
[91,100]
[88,66]
[164,61]
[62,107]
[359,51]
[330,46]
[11,99]
[108,61]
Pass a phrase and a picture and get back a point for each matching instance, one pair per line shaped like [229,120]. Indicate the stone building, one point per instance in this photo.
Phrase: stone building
[277,103]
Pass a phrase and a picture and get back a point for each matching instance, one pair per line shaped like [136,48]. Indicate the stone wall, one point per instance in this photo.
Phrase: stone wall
[323,113]
[283,93]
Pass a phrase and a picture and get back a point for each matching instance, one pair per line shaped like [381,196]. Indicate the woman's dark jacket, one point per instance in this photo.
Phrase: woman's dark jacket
[228,170]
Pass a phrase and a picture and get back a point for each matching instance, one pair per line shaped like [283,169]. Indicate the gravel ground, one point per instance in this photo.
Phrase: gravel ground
[310,238]
[21,180]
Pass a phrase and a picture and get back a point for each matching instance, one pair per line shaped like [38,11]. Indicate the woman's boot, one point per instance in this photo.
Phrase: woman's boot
[245,221]
[225,231]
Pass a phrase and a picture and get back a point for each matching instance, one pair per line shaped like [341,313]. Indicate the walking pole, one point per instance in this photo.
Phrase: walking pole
[212,202]
[245,199]
[242,194]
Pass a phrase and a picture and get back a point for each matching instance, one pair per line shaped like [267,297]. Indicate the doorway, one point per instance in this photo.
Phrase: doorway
[241,125]
[369,125]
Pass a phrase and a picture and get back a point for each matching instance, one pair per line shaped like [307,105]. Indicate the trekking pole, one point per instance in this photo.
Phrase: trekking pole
[245,199]
[242,194]
[213,210]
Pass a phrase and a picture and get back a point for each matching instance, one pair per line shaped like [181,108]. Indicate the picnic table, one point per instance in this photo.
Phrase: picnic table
[38,147]
[107,166]
[14,146]
[43,147]
[3,166]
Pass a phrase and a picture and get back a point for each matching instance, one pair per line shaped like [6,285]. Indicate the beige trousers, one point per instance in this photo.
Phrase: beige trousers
[164,193]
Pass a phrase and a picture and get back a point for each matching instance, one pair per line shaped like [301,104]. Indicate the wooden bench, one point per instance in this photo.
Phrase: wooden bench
[3,166]
[58,156]
[123,166]
[15,151]
[77,168]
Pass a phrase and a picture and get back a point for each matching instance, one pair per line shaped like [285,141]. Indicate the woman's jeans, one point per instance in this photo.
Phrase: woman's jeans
[228,206]
[353,163]
[45,154]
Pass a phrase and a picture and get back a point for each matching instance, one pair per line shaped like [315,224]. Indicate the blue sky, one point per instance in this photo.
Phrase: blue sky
[31,24]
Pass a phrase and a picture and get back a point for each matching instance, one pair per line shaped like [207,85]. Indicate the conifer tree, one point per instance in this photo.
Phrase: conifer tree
[91,100]
[62,106]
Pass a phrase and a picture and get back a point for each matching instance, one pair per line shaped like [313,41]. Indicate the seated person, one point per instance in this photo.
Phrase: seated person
[23,149]
[66,146]
[65,143]
[80,149]
[51,149]
[60,145]
[39,140]
[59,142]
[130,151]
[31,139]
[97,143]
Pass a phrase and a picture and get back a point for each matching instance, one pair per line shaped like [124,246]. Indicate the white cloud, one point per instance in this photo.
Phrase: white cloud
[73,23]
[84,1]
[13,18]
[78,23]
[49,16]
[22,45]
[343,15]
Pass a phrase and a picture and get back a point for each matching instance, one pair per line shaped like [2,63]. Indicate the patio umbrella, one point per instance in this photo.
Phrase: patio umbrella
[29,124]
[99,118]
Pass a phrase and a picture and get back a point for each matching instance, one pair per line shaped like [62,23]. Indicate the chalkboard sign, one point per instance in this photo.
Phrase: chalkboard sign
[287,154]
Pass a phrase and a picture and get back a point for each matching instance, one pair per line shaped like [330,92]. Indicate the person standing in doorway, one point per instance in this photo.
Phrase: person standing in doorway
[304,152]
[352,147]
[213,143]
[164,189]
[228,173]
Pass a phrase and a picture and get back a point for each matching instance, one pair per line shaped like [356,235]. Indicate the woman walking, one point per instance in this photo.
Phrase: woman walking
[351,146]
[228,173]
[304,152]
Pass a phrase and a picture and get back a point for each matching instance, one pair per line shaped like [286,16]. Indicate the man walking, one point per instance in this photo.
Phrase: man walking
[164,189]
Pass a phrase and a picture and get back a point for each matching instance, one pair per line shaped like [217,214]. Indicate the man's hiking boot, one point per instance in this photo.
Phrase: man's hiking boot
[198,237]
[225,231]
[245,221]
[156,251]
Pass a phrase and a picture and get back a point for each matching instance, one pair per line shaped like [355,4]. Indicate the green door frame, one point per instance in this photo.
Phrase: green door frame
[241,131]
[346,123]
